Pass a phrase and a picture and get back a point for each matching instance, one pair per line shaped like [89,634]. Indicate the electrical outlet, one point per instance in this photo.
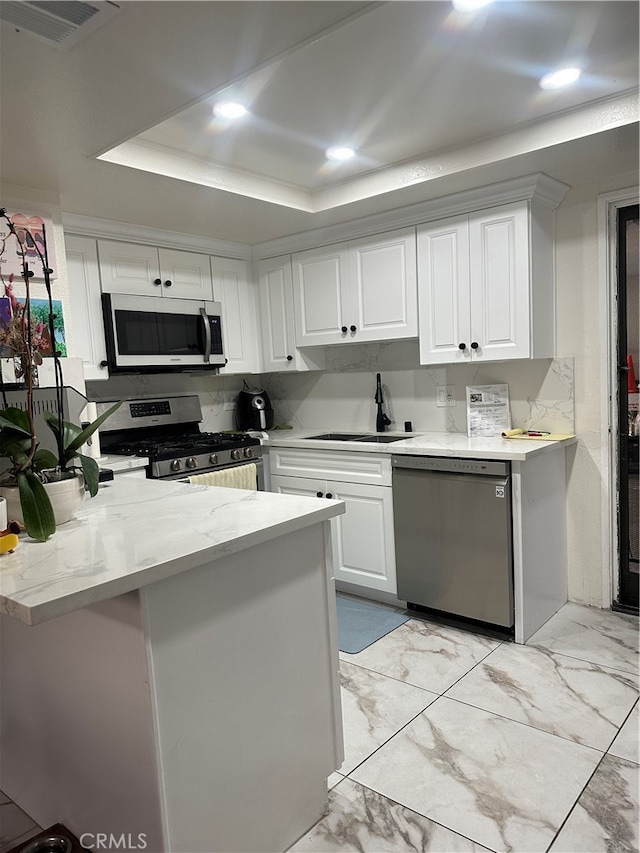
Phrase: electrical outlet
[446,395]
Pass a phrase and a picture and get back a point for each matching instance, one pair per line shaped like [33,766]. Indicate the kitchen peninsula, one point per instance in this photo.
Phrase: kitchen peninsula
[169,668]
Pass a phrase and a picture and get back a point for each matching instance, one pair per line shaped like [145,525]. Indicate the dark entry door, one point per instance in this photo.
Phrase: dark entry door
[628,334]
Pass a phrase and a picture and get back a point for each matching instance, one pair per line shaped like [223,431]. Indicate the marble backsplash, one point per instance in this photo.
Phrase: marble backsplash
[541,391]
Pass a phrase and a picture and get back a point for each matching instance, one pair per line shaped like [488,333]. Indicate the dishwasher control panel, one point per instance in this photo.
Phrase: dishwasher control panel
[488,467]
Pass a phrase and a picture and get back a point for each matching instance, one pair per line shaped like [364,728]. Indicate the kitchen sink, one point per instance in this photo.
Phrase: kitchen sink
[348,436]
[382,439]
[338,436]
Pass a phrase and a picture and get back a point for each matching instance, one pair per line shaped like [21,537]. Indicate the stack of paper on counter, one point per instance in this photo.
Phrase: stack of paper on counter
[536,435]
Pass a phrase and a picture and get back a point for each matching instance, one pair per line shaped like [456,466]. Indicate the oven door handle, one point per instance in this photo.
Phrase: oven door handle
[207,335]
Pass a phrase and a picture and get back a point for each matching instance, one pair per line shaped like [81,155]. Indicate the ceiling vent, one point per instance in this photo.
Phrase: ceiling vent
[61,24]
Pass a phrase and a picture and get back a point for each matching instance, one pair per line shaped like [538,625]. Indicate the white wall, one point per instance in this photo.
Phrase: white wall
[580,334]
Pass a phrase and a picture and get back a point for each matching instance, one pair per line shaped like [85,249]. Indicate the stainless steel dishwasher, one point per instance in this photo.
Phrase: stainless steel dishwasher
[452,520]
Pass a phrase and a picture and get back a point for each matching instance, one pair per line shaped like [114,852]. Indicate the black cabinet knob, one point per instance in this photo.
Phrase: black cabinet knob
[462,347]
[289,358]
[353,328]
[329,495]
[167,283]
[104,363]
[157,281]
[344,330]
[319,494]
[474,344]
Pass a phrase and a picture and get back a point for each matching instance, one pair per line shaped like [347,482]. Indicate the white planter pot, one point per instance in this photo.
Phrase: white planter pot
[66,498]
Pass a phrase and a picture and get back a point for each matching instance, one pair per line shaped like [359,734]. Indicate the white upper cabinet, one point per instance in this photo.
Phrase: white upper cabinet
[383,279]
[360,291]
[279,351]
[147,270]
[85,306]
[232,288]
[486,286]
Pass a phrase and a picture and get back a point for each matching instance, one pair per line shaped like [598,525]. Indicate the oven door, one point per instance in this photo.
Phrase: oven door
[147,333]
[184,478]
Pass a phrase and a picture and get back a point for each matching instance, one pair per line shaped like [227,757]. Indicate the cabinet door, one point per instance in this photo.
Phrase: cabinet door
[185,275]
[500,301]
[129,268]
[302,486]
[444,295]
[363,543]
[276,314]
[363,537]
[321,296]
[382,275]
[279,350]
[85,307]
[239,316]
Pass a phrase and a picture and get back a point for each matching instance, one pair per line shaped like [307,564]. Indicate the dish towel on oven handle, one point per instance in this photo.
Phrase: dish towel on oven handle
[237,477]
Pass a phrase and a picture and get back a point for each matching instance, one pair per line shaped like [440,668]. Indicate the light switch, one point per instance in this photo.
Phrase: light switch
[445,395]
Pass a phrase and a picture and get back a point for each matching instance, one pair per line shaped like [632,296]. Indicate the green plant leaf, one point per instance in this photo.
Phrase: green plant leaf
[37,512]
[74,437]
[91,473]
[43,459]
[15,419]
[13,446]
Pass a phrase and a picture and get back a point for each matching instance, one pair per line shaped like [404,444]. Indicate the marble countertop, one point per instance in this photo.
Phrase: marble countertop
[138,531]
[451,444]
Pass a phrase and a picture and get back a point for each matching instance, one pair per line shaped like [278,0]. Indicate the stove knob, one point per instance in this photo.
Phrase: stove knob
[235,454]
[248,452]
[213,459]
[176,465]
[191,462]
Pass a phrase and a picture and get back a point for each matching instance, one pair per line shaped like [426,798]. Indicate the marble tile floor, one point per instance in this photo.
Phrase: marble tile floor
[455,742]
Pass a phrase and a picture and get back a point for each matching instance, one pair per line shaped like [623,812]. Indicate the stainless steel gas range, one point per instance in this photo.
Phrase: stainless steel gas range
[167,431]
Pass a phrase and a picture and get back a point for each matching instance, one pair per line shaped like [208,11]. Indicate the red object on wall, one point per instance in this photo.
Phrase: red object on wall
[632,385]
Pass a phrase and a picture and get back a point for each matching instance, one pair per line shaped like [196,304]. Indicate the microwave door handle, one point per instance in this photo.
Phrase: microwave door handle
[207,335]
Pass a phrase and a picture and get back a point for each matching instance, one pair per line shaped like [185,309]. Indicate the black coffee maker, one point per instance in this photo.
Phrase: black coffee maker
[253,409]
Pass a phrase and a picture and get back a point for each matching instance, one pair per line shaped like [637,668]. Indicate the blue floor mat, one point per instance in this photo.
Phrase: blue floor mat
[361,623]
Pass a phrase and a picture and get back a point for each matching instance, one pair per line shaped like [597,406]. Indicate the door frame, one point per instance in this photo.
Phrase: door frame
[608,206]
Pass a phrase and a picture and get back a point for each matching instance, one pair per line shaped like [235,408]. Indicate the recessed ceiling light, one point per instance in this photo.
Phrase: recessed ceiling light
[557,79]
[339,152]
[229,109]
[469,5]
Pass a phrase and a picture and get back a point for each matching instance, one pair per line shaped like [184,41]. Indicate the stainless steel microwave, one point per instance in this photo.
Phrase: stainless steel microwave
[146,334]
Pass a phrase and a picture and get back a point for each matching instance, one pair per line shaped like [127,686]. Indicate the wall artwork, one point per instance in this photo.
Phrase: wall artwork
[31,229]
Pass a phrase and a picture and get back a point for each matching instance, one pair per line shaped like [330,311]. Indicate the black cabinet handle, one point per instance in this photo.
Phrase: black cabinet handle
[329,495]
[344,330]
[353,328]
[462,347]
[474,344]
[104,364]
[157,281]
[167,283]
[289,358]
[319,495]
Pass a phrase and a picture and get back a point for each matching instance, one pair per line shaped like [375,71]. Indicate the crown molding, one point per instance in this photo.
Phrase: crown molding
[538,187]
[109,229]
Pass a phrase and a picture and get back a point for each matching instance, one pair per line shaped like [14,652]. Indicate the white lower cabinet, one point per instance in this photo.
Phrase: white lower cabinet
[363,538]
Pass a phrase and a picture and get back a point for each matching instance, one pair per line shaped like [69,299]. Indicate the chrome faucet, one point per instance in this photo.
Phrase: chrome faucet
[382,421]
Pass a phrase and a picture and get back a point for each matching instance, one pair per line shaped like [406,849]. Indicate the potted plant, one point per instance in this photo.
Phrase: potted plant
[35,476]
